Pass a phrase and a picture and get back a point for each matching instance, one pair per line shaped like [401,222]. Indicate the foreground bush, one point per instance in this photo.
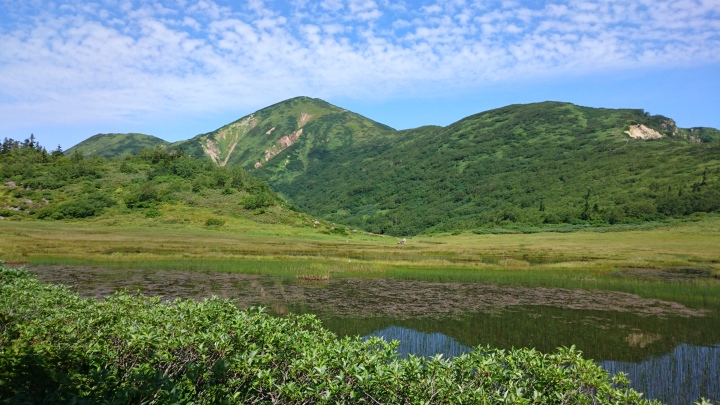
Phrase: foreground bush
[56,347]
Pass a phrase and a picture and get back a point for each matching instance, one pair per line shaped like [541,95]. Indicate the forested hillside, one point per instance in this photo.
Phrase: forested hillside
[517,168]
[521,167]
[52,186]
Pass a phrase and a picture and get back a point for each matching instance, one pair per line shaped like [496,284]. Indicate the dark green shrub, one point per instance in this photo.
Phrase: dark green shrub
[45,182]
[187,167]
[81,208]
[237,177]
[214,222]
[341,230]
[127,168]
[7,213]
[201,182]
[153,213]
[146,197]
[255,201]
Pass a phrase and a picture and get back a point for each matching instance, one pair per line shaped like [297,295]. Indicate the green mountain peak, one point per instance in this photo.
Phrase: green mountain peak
[255,141]
[112,145]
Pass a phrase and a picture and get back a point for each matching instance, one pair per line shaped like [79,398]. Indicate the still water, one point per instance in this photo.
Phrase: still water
[670,352]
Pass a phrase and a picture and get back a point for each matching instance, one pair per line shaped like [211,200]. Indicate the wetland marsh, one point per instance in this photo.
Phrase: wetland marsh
[671,351]
[642,302]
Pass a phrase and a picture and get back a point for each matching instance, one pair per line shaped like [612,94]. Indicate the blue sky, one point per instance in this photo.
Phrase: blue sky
[176,68]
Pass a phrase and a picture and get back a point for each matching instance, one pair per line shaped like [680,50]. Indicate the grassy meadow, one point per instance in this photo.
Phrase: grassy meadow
[174,236]
[637,261]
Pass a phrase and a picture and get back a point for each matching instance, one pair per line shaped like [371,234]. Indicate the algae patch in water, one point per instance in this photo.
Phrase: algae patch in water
[354,297]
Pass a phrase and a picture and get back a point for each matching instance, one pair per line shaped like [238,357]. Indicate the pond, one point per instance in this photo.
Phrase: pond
[670,351]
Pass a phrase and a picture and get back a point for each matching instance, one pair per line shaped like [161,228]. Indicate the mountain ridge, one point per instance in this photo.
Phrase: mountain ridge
[521,166]
[89,147]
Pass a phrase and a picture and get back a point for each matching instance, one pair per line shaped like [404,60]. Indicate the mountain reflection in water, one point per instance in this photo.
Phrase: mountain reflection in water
[688,372]
[421,344]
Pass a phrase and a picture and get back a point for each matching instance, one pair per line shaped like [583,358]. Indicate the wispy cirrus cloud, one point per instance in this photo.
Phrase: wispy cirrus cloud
[72,60]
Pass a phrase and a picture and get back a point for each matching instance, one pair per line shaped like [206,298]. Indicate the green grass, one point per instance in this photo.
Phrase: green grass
[689,244]
[588,260]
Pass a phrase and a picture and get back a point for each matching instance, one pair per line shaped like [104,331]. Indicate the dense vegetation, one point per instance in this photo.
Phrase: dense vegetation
[523,167]
[56,347]
[251,139]
[115,145]
[54,186]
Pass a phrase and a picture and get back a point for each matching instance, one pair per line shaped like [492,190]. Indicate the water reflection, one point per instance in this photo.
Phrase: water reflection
[688,372]
[421,344]
[680,377]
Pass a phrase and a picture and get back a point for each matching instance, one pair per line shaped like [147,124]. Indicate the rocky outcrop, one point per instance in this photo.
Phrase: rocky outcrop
[642,132]
[287,141]
[211,149]
[670,125]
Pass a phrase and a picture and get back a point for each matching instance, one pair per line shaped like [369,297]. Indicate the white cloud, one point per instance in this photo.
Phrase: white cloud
[432,9]
[95,61]
[332,5]
[363,10]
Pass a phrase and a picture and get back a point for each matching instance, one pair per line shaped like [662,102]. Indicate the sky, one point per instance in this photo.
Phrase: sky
[176,68]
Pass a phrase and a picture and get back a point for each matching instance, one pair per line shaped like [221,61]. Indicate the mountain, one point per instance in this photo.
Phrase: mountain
[528,166]
[303,125]
[112,145]
[520,167]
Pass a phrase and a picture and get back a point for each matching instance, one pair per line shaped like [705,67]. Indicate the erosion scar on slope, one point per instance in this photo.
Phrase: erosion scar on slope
[230,151]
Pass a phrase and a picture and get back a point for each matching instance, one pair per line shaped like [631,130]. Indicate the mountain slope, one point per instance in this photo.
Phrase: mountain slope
[283,138]
[112,145]
[519,166]
[525,167]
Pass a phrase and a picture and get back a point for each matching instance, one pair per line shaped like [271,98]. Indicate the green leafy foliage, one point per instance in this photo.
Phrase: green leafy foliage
[84,207]
[58,347]
[255,201]
[53,186]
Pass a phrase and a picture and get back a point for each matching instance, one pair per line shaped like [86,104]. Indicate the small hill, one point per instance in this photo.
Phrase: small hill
[151,186]
[113,145]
